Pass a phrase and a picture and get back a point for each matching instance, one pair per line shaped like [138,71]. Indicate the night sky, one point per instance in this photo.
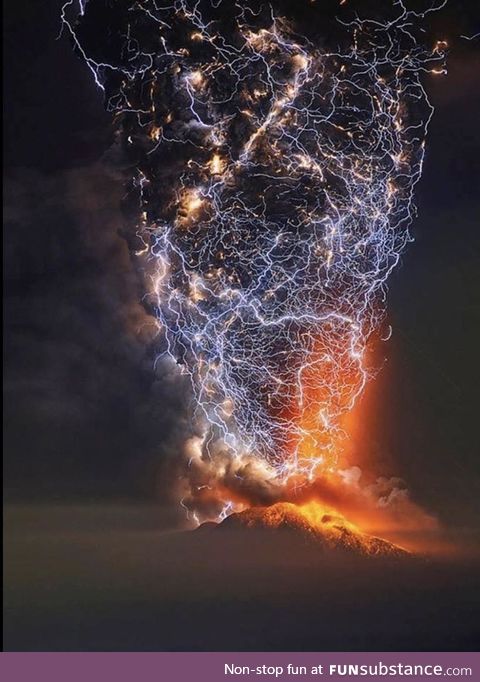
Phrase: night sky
[85,413]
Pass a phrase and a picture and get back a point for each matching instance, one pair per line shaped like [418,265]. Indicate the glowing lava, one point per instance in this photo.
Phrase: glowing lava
[315,524]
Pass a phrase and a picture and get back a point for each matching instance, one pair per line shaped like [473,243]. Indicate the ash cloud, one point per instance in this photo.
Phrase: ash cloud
[87,408]
[380,505]
[86,412]
[56,437]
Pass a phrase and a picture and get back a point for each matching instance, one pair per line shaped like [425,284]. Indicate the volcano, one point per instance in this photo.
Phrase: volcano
[313,524]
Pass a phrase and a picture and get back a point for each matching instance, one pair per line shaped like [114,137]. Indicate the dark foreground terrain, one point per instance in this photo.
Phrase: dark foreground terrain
[115,578]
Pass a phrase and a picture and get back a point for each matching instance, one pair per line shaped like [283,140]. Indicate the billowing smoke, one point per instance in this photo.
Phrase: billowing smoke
[381,505]
[274,152]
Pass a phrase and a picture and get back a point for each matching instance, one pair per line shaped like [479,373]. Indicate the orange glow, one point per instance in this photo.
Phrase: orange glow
[193,203]
[196,78]
[217,165]
[329,489]
[155,133]
[315,512]
[300,61]
[320,516]
[189,207]
[325,423]
[319,526]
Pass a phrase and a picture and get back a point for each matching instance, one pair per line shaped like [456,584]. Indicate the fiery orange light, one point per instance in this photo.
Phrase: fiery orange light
[315,439]
[216,164]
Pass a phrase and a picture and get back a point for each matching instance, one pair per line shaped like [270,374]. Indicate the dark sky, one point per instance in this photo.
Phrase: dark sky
[85,412]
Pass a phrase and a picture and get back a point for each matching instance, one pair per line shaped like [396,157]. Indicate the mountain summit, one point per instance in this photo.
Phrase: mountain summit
[314,524]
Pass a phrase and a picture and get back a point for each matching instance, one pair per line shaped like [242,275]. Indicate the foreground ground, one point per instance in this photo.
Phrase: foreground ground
[115,578]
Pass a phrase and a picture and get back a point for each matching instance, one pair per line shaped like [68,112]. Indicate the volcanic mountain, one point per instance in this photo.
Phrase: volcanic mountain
[312,524]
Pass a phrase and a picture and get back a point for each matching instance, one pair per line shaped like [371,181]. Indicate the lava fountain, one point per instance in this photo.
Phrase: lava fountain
[273,151]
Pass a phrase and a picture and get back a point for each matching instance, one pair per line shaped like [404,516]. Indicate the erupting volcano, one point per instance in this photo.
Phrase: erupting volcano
[313,523]
[272,154]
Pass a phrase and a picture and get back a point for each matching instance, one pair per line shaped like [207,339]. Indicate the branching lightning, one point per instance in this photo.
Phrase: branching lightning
[275,179]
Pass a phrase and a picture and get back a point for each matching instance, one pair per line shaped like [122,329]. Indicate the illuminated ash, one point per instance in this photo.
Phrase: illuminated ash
[273,168]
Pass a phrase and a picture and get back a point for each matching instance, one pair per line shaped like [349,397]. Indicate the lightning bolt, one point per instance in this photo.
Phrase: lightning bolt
[274,178]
